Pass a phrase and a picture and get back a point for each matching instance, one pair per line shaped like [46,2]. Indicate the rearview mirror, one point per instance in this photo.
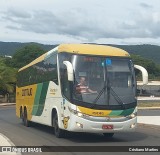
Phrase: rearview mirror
[144,74]
[69,70]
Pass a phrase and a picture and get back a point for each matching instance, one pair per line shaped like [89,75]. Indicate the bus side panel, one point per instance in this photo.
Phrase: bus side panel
[25,98]
[18,101]
[47,98]
[21,99]
[31,99]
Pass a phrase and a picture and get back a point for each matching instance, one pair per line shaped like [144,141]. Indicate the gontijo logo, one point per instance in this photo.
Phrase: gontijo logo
[27,92]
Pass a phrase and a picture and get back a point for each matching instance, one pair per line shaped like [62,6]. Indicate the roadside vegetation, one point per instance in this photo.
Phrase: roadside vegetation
[7,76]
[148,103]
[9,68]
[152,68]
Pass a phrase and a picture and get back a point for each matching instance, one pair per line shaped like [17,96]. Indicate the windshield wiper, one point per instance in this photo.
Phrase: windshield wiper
[100,93]
[109,91]
[117,98]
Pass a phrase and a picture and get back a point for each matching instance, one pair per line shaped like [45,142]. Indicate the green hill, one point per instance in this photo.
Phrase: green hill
[9,48]
[147,51]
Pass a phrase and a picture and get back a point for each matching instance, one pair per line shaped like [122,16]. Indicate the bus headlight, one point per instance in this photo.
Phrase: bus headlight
[79,114]
[133,115]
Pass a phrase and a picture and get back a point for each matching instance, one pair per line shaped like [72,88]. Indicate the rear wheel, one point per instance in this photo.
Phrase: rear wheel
[26,122]
[21,115]
[108,135]
[59,133]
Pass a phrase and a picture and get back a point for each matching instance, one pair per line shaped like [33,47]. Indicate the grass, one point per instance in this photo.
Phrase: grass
[148,103]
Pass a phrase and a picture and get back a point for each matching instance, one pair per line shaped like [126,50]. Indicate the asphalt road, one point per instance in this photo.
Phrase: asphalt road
[147,112]
[39,135]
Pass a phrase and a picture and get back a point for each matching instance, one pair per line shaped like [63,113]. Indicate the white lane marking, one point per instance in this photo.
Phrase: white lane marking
[4,141]
[154,120]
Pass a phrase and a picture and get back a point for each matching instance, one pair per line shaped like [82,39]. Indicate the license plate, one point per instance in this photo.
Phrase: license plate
[107,126]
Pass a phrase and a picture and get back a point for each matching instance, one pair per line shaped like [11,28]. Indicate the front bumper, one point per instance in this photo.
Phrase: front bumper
[79,124]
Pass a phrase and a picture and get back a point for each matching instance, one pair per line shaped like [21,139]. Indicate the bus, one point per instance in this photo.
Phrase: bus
[48,90]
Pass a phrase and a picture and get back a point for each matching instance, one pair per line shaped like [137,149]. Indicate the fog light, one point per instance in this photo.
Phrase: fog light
[133,126]
[79,125]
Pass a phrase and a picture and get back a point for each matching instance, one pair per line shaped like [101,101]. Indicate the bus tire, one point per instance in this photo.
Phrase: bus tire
[59,133]
[26,122]
[108,135]
[21,115]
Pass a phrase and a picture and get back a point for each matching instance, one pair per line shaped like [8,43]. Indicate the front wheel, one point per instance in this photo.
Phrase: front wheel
[108,135]
[59,133]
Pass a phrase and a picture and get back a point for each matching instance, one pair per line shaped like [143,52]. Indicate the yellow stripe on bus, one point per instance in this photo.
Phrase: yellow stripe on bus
[93,112]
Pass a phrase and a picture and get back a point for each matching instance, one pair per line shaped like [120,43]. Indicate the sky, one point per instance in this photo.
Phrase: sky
[124,22]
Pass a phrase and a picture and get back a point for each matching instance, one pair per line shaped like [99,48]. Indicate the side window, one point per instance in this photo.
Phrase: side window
[51,68]
[41,72]
[19,79]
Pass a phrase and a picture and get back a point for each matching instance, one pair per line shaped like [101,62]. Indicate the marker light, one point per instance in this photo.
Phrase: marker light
[133,125]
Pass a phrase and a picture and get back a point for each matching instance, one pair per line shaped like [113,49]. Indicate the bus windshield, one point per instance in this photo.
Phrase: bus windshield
[103,80]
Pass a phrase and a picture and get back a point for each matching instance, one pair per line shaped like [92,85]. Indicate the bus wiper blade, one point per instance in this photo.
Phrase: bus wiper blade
[117,98]
[99,95]
[113,93]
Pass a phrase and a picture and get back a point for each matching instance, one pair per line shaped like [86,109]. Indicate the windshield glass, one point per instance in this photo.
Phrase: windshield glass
[103,80]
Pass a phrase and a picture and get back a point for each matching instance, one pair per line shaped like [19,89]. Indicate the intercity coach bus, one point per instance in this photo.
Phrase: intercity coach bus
[47,90]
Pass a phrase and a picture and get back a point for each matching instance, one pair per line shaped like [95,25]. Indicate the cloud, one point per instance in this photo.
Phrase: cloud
[15,15]
[146,6]
[80,23]
[74,22]
[19,13]
[148,23]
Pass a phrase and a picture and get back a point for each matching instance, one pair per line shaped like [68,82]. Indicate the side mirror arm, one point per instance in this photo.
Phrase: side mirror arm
[69,70]
[144,74]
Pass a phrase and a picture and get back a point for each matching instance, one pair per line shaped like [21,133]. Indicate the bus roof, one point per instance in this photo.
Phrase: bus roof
[92,49]
[88,49]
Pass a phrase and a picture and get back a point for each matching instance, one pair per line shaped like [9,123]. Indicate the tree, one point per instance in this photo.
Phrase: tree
[152,68]
[7,79]
[25,55]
